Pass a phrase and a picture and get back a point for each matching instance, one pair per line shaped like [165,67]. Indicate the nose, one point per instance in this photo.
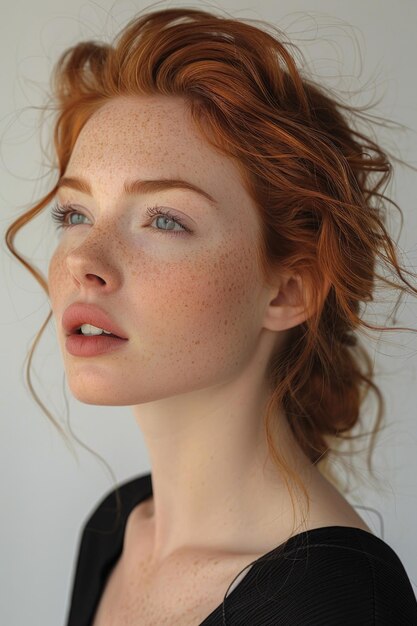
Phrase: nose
[92,266]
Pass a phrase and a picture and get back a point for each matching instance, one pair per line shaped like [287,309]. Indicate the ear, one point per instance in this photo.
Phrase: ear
[285,308]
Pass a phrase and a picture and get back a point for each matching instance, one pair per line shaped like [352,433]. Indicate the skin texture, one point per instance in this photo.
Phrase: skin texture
[201,325]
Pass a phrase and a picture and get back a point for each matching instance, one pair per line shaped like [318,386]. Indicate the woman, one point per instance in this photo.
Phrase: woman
[218,234]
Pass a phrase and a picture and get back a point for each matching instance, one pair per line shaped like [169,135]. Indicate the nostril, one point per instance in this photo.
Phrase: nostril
[94,277]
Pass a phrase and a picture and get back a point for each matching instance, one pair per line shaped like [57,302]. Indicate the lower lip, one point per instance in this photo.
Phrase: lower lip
[79,345]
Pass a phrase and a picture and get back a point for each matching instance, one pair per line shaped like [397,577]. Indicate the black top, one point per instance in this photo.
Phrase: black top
[328,576]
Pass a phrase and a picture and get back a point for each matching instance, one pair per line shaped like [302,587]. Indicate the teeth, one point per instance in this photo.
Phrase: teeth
[89,330]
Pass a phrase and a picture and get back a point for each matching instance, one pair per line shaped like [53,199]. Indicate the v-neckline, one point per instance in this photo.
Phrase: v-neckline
[301,539]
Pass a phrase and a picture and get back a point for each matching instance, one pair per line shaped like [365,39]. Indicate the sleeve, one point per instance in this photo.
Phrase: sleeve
[326,586]
[99,540]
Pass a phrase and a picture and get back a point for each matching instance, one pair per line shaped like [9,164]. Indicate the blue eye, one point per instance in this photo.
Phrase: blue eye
[59,213]
[62,213]
[156,211]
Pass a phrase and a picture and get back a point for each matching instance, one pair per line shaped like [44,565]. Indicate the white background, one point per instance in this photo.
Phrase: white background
[368,47]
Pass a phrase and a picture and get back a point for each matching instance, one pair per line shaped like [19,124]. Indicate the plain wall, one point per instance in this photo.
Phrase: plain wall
[45,494]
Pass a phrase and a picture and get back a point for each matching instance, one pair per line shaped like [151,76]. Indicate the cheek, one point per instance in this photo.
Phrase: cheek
[203,304]
[55,277]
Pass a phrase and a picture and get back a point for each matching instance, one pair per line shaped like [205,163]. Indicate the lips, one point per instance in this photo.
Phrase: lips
[80,313]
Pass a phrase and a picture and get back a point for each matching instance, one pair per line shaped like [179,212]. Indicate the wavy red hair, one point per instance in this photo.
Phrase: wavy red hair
[314,178]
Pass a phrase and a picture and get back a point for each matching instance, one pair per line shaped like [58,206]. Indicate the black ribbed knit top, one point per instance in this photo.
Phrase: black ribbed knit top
[327,576]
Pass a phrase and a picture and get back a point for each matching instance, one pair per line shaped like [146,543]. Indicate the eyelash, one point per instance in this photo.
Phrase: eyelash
[59,212]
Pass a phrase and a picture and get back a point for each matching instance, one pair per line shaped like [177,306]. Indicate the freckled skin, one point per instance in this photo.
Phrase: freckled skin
[184,297]
[201,326]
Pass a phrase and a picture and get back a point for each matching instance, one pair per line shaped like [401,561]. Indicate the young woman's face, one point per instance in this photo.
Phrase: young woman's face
[189,301]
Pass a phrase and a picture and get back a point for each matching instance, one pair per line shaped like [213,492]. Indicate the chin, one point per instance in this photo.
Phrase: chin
[94,395]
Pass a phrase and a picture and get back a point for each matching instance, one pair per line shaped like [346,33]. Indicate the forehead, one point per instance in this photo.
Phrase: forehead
[151,136]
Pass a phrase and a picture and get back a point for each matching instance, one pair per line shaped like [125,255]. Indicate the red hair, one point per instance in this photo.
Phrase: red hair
[315,180]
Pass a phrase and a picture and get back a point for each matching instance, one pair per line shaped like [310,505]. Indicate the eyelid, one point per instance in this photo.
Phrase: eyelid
[143,206]
[75,208]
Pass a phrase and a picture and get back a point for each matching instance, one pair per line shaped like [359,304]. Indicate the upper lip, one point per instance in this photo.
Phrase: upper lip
[80,313]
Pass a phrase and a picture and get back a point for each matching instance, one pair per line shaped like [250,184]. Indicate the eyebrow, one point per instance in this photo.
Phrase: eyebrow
[134,187]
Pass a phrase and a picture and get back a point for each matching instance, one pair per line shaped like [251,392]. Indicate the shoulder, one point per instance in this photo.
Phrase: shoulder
[330,575]
[100,543]
[101,534]
[110,512]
